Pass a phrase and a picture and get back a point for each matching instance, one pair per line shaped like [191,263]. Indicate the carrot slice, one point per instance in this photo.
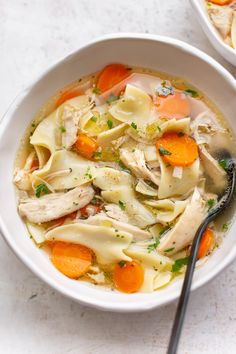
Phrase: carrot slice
[67,95]
[111,75]
[85,146]
[128,276]
[60,221]
[71,259]
[221,2]
[206,243]
[177,149]
[173,106]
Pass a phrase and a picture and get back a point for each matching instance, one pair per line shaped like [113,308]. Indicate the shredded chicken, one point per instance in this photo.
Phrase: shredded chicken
[221,17]
[115,212]
[21,177]
[55,205]
[70,122]
[182,234]
[135,161]
[213,170]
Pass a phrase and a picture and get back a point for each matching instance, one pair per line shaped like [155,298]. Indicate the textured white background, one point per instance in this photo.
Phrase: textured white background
[33,318]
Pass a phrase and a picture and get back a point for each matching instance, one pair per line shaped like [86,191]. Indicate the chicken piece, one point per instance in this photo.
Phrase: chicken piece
[135,161]
[221,17]
[21,176]
[115,212]
[55,205]
[182,234]
[213,170]
[70,123]
[102,219]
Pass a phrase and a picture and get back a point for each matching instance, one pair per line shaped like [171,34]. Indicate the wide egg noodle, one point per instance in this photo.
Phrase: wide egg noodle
[166,209]
[107,243]
[48,134]
[66,170]
[171,186]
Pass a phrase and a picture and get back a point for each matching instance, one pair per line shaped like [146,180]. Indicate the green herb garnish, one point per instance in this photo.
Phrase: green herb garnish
[41,189]
[224,163]
[164,90]
[225,227]
[211,203]
[94,119]
[134,125]
[96,90]
[154,245]
[122,263]
[112,98]
[109,123]
[169,249]
[62,129]
[97,154]
[179,263]
[164,231]
[121,205]
[192,93]
[163,151]
[88,173]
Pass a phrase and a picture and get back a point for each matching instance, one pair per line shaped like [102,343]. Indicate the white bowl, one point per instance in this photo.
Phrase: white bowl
[160,53]
[212,33]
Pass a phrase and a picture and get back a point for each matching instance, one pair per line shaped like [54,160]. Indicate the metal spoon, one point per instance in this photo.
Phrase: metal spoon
[184,297]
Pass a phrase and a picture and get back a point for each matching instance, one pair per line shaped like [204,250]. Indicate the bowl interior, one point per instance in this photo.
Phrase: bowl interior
[162,54]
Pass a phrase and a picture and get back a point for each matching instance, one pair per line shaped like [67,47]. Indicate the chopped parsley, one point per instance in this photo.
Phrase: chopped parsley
[121,205]
[96,90]
[134,125]
[109,123]
[154,245]
[192,93]
[122,263]
[224,163]
[112,98]
[163,151]
[169,249]
[225,227]
[211,203]
[41,189]
[88,173]
[97,154]
[164,231]
[179,263]
[62,129]
[164,90]
[94,119]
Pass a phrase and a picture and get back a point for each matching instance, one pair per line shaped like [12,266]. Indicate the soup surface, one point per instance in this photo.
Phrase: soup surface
[116,173]
[222,14]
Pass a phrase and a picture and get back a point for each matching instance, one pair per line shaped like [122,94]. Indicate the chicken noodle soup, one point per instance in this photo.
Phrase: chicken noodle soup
[117,173]
[222,14]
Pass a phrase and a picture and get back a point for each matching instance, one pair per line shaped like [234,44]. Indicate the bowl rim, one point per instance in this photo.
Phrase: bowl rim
[211,28]
[93,302]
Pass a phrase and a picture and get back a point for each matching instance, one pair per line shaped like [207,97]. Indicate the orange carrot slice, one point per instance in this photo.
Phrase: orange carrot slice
[173,106]
[221,2]
[85,146]
[206,243]
[128,276]
[67,95]
[60,221]
[71,259]
[177,149]
[111,75]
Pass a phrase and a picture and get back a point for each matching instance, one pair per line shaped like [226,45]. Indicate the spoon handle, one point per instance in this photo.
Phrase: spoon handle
[185,292]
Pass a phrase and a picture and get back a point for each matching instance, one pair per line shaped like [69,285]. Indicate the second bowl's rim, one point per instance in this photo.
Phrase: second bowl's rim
[211,28]
[104,305]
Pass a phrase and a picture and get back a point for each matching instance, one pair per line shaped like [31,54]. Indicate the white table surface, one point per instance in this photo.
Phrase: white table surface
[33,318]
